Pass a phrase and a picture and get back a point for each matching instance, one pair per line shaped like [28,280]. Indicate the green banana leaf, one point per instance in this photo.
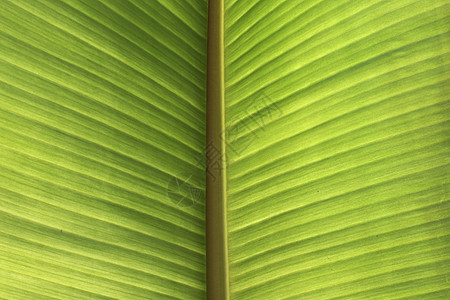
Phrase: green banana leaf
[338,158]
[335,137]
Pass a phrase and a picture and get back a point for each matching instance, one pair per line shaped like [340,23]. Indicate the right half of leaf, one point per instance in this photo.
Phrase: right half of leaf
[337,118]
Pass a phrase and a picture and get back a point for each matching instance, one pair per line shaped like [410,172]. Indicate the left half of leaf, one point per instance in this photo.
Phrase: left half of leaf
[102,128]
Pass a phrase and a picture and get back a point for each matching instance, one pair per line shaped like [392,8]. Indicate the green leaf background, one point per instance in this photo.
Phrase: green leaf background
[102,106]
[337,126]
[338,177]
